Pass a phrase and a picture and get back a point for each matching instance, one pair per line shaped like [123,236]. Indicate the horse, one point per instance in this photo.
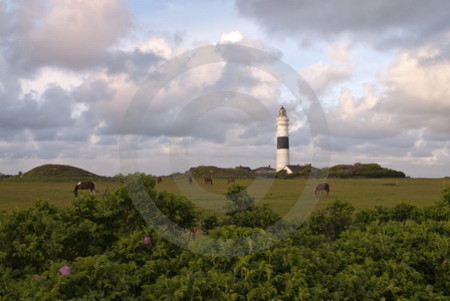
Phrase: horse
[319,187]
[208,180]
[230,180]
[158,180]
[84,185]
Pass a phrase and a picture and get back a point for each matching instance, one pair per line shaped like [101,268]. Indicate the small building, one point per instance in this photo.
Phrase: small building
[246,168]
[264,170]
[293,168]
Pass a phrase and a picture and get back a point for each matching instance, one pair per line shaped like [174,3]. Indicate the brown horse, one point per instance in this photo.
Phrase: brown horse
[159,180]
[208,180]
[84,185]
[230,180]
[319,187]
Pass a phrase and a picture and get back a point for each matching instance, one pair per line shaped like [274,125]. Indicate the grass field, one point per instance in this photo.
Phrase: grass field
[14,195]
[285,195]
[296,194]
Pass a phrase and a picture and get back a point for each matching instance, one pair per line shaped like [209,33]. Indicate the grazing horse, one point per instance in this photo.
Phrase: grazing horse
[84,185]
[158,180]
[230,180]
[319,187]
[208,180]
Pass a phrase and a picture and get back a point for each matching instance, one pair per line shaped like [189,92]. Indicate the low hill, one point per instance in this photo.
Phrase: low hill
[57,172]
[358,170]
[217,172]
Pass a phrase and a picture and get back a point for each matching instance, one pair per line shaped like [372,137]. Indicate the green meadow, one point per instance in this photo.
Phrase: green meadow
[285,196]
[21,194]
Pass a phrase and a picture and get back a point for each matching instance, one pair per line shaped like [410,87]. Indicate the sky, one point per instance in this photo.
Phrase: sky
[117,86]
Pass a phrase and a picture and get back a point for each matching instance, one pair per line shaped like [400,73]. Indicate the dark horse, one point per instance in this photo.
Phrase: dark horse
[208,180]
[84,185]
[230,180]
[319,187]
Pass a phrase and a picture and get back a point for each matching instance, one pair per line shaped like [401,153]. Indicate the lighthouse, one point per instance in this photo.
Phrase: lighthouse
[282,139]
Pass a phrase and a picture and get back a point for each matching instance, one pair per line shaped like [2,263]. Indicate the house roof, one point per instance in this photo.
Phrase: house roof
[295,168]
[264,169]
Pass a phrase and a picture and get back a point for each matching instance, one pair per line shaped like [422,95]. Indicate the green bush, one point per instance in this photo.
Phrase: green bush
[110,253]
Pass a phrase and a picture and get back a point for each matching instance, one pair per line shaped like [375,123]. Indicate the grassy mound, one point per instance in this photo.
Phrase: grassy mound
[358,170]
[344,171]
[58,173]
[239,172]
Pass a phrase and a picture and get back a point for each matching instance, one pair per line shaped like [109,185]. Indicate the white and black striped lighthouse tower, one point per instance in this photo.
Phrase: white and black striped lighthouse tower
[282,139]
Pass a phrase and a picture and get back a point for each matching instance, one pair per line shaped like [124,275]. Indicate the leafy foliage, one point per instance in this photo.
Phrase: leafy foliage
[110,253]
[239,199]
[242,211]
[333,220]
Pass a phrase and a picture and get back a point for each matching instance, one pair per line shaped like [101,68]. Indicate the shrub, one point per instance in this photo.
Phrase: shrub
[332,220]
[239,199]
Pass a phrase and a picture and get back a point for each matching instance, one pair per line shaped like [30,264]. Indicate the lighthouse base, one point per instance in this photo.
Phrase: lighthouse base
[282,158]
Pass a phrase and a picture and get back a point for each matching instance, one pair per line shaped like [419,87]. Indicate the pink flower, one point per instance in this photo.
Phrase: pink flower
[147,240]
[64,270]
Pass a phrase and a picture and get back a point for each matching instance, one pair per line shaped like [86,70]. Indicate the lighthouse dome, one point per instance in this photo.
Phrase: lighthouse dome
[282,112]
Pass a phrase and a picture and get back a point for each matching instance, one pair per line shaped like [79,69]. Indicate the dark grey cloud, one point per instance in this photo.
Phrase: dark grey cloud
[172,100]
[51,114]
[92,91]
[397,145]
[380,22]
[215,116]
[236,76]
[52,110]
[135,64]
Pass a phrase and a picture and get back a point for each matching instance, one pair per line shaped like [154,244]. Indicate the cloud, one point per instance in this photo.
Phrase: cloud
[68,77]
[205,87]
[322,76]
[222,106]
[232,37]
[135,64]
[403,114]
[399,114]
[410,95]
[381,22]
[418,95]
[65,33]
[28,113]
